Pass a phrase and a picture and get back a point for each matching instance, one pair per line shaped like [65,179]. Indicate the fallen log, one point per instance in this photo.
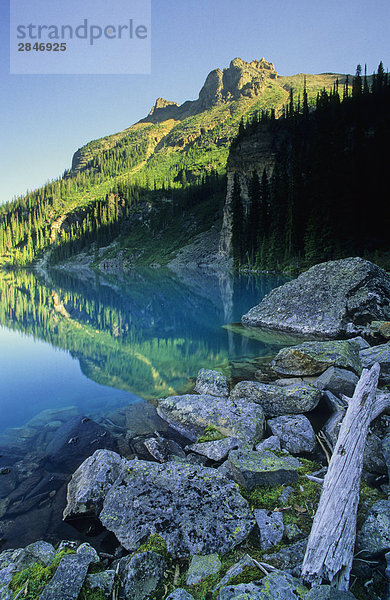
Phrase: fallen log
[330,547]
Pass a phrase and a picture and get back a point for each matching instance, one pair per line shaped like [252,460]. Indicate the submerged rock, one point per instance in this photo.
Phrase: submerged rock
[295,433]
[201,567]
[195,509]
[331,299]
[191,414]
[313,358]
[212,383]
[277,400]
[253,468]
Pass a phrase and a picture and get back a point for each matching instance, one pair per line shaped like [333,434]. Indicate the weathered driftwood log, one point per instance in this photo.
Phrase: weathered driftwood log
[331,543]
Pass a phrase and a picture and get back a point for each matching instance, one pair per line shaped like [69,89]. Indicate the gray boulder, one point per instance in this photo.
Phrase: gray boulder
[380,354]
[374,461]
[295,433]
[326,592]
[253,468]
[386,452]
[162,449]
[191,414]
[313,358]
[201,567]
[289,558]
[277,400]
[39,552]
[6,575]
[217,450]
[331,299]
[374,535]
[180,594]
[211,383]
[140,575]
[292,533]
[271,443]
[275,586]
[271,528]
[338,381]
[68,580]
[195,509]
[103,581]
[91,482]
[237,569]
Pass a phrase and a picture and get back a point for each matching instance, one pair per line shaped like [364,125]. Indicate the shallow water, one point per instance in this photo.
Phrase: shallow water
[102,348]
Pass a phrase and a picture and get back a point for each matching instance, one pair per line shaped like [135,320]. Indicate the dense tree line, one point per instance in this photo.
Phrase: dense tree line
[327,196]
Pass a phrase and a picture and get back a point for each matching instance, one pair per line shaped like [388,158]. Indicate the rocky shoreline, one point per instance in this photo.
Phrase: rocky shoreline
[224,510]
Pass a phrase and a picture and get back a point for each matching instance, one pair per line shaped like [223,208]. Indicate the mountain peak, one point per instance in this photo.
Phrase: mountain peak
[240,79]
[161,103]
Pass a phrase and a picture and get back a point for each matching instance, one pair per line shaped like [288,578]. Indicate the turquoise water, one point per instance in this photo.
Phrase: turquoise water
[82,365]
[101,344]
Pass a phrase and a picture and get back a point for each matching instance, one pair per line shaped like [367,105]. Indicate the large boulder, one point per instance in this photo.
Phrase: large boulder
[295,432]
[313,358]
[195,509]
[380,354]
[277,400]
[191,414]
[252,468]
[331,299]
[91,482]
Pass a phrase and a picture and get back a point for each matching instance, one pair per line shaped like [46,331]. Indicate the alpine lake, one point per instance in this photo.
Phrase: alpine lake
[83,363]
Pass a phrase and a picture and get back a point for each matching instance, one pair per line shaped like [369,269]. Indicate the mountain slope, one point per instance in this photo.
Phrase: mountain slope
[119,182]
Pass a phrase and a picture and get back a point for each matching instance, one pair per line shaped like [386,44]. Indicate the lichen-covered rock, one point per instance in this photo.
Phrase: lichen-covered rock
[201,567]
[68,578]
[326,592]
[217,450]
[271,443]
[162,449]
[313,358]
[374,461]
[374,535]
[140,575]
[180,594]
[385,452]
[103,581]
[195,509]
[250,469]
[292,532]
[6,575]
[89,552]
[331,299]
[277,400]
[380,354]
[91,482]
[289,558]
[275,586]
[295,433]
[271,528]
[211,383]
[38,552]
[337,381]
[191,414]
[237,569]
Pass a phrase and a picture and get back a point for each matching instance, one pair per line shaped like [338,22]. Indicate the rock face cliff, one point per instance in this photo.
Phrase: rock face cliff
[255,153]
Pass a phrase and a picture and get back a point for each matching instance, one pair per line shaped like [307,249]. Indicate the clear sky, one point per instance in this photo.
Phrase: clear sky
[45,118]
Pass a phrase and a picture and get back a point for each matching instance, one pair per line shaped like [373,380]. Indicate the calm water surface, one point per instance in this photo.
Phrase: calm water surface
[104,349]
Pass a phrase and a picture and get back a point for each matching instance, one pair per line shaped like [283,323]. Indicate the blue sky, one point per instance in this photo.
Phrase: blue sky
[45,118]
